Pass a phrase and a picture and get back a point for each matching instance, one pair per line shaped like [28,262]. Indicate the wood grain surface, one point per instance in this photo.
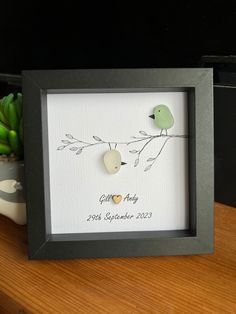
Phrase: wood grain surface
[181,284]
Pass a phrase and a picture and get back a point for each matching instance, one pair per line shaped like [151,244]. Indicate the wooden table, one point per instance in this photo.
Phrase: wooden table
[182,284]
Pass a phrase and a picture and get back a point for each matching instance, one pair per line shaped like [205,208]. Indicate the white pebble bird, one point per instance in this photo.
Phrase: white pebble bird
[112,161]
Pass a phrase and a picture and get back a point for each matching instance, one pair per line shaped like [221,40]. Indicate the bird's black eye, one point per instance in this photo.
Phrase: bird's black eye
[159,110]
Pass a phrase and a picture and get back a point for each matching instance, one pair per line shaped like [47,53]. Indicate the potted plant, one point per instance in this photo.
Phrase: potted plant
[12,202]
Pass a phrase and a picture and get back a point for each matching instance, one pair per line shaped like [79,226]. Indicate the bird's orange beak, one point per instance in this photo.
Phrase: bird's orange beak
[152,116]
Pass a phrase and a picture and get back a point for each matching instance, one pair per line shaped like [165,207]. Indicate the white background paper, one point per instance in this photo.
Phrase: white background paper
[78,181]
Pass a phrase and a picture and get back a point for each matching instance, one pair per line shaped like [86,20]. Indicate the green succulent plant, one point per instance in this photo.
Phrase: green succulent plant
[11,125]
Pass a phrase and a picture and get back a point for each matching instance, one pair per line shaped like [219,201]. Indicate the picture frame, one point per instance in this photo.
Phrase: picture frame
[38,85]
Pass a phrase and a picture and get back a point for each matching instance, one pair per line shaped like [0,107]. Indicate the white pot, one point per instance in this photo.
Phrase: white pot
[12,200]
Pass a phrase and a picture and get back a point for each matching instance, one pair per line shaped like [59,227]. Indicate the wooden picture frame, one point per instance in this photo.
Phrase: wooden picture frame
[197,239]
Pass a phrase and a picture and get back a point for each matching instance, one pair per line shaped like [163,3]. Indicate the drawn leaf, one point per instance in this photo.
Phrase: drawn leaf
[69,136]
[66,142]
[97,138]
[61,147]
[136,162]
[148,168]
[133,151]
[74,149]
[79,151]
[150,159]
[143,133]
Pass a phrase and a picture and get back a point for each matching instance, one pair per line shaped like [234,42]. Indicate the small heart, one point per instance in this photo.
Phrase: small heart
[117,199]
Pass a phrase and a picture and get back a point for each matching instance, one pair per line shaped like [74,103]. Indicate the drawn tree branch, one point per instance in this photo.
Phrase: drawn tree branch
[78,146]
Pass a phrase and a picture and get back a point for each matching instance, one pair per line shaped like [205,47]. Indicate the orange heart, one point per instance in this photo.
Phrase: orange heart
[117,199]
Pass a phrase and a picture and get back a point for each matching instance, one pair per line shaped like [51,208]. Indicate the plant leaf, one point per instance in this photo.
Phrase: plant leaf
[74,149]
[133,151]
[143,133]
[97,138]
[150,159]
[69,136]
[79,151]
[66,142]
[61,147]
[148,168]
[136,162]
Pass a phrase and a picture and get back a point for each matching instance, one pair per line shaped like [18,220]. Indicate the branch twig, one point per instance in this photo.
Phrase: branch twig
[71,142]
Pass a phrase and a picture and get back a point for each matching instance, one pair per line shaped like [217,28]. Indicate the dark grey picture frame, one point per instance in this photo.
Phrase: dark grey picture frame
[200,236]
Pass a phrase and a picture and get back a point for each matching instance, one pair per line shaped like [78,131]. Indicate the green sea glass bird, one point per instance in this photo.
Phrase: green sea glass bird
[163,118]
